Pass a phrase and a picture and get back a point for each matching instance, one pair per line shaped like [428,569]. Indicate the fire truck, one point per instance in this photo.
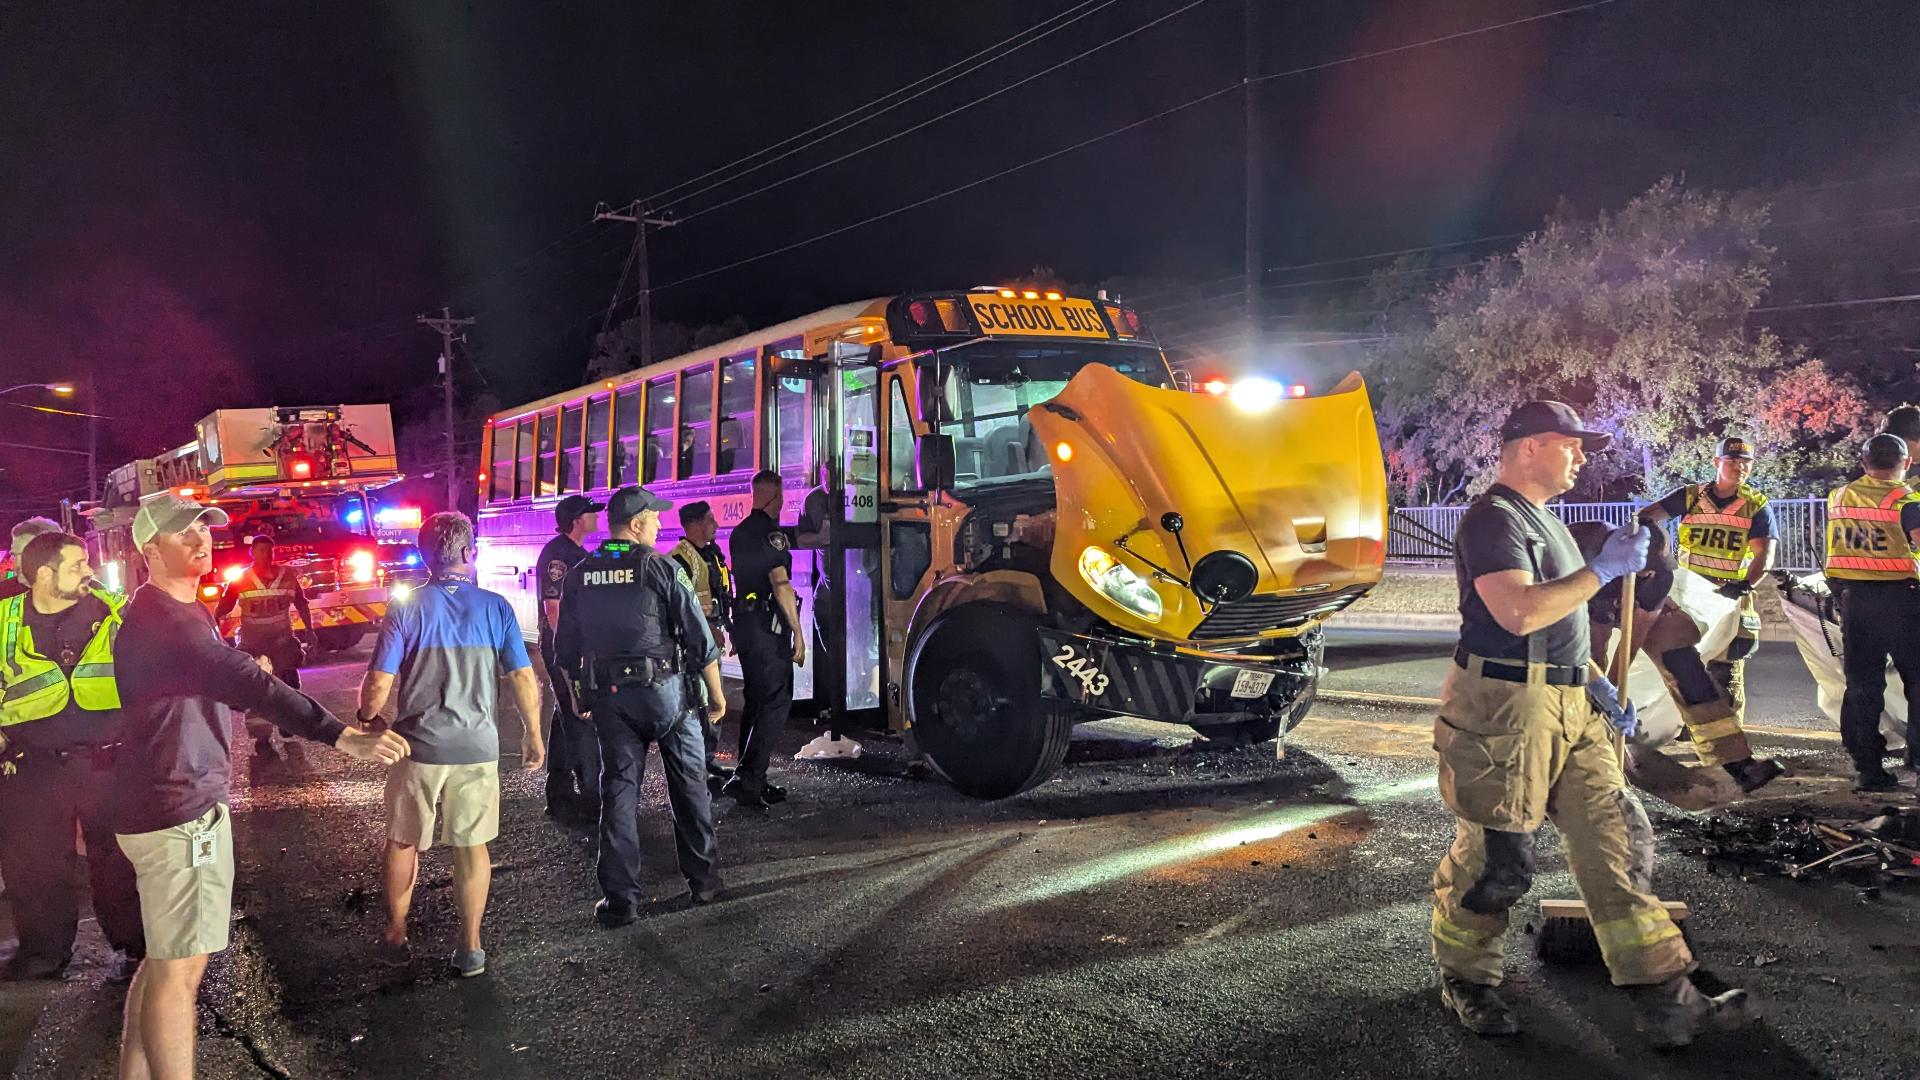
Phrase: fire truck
[310,477]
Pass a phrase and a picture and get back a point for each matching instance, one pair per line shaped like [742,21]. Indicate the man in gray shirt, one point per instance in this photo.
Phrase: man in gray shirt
[448,643]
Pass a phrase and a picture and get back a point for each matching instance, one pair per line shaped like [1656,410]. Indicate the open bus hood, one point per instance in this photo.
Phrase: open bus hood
[1299,488]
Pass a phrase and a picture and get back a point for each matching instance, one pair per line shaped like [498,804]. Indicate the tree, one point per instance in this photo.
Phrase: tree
[618,350]
[1639,318]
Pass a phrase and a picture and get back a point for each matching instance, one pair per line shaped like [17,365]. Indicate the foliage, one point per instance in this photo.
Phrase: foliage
[1640,319]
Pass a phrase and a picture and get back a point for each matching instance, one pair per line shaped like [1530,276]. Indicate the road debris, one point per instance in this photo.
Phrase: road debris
[1872,852]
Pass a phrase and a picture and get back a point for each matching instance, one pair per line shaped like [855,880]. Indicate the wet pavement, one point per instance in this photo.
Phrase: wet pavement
[1152,911]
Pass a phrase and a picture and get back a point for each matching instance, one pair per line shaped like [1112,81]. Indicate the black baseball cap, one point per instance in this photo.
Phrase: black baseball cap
[1734,446]
[569,510]
[1551,418]
[627,503]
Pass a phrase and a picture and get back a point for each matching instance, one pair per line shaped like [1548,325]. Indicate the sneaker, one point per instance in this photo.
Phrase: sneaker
[707,893]
[1480,1008]
[1753,774]
[611,915]
[773,793]
[751,797]
[1675,1012]
[1879,780]
[467,963]
[393,953]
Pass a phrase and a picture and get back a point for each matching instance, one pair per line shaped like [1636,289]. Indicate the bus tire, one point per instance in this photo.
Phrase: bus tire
[974,686]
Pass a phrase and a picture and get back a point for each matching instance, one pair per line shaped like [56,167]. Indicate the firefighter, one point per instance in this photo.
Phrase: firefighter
[767,635]
[1904,421]
[707,574]
[264,593]
[1873,529]
[573,761]
[1725,532]
[1523,736]
[629,635]
[59,714]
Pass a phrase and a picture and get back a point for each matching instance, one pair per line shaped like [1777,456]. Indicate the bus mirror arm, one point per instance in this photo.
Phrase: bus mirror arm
[935,453]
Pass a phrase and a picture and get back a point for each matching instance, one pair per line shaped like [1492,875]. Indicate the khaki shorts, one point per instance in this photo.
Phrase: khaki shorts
[184,908]
[468,798]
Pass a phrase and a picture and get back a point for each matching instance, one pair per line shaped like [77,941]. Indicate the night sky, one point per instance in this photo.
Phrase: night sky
[210,205]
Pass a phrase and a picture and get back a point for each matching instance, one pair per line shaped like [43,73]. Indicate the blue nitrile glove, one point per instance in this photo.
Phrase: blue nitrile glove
[1625,552]
[1607,699]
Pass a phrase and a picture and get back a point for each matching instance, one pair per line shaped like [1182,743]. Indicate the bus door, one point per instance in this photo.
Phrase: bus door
[848,675]
[906,528]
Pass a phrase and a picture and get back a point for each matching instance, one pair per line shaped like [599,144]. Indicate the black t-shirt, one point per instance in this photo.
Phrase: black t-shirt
[1503,531]
[177,681]
[1676,506]
[62,638]
[559,556]
[758,546]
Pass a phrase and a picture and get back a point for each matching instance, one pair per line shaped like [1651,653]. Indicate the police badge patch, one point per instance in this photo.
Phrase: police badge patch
[557,571]
[777,540]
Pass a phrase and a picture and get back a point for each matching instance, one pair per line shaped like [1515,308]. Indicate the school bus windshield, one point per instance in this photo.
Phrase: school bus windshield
[980,394]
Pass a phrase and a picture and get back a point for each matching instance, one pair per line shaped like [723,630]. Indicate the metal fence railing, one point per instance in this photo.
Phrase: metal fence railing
[1424,534]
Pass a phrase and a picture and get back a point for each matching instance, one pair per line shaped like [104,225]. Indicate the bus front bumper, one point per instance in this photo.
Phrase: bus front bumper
[1127,678]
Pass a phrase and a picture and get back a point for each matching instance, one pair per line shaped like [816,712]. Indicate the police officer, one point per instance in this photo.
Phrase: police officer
[264,593]
[573,761]
[629,631]
[59,710]
[1523,736]
[698,528]
[1873,529]
[1725,532]
[766,634]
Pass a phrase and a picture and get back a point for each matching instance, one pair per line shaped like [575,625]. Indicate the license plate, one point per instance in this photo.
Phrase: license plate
[1252,684]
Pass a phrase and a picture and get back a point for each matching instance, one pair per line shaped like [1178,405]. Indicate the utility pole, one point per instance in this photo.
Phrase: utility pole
[641,218]
[93,437]
[1250,98]
[446,324]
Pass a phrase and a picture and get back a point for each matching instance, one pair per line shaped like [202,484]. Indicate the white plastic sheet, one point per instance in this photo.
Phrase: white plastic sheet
[1717,617]
[1812,634]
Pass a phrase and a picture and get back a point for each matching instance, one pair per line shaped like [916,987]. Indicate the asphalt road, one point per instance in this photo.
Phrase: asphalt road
[1153,911]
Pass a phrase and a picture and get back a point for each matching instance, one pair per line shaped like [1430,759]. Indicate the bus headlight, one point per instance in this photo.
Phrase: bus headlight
[1119,584]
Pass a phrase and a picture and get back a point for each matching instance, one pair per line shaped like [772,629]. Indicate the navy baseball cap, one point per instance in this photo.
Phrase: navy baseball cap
[1552,418]
[627,503]
[569,509]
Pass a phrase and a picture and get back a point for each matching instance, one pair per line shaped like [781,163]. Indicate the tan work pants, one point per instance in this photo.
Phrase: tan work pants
[1712,695]
[1513,756]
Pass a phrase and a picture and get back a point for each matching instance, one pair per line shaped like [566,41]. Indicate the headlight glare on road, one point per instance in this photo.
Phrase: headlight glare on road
[1119,584]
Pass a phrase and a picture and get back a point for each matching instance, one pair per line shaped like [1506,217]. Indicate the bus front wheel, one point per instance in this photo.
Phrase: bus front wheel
[977,711]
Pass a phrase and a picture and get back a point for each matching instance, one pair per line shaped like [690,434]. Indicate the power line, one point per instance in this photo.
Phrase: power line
[1908,298]
[1076,13]
[789,178]
[1124,128]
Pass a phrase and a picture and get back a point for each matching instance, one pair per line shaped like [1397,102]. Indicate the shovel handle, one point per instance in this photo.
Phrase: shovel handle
[1623,652]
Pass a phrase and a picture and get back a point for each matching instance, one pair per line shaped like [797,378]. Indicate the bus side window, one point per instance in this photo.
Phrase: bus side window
[596,477]
[626,431]
[790,426]
[696,427]
[570,448]
[523,453]
[660,413]
[900,445]
[500,468]
[549,440]
[736,415]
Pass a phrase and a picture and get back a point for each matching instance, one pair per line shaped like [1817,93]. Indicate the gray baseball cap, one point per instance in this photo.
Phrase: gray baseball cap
[169,513]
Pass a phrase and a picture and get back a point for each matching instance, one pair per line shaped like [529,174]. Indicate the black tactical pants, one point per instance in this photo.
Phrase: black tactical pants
[766,666]
[39,805]
[629,719]
[1879,621]
[573,748]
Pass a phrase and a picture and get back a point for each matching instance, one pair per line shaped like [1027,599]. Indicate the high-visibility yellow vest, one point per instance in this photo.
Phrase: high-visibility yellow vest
[1713,540]
[698,574]
[1864,539]
[264,602]
[32,687]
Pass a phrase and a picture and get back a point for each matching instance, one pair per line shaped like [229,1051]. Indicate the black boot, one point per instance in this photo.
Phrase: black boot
[1480,1008]
[1752,773]
[1675,1012]
[1877,780]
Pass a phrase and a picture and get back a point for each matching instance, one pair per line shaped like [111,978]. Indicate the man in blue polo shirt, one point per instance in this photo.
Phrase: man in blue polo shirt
[448,644]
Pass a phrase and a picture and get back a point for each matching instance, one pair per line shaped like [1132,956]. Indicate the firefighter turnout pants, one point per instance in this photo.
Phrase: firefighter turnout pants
[1514,755]
[1879,621]
[1712,694]
[39,804]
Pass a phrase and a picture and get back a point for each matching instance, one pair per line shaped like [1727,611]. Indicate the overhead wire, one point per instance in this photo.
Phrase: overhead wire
[1124,128]
[1071,15]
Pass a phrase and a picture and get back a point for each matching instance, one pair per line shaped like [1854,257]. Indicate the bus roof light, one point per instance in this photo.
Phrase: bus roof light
[1030,294]
[1054,296]
[1006,294]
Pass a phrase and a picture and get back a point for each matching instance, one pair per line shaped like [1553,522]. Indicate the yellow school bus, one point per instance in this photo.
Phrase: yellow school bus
[1030,524]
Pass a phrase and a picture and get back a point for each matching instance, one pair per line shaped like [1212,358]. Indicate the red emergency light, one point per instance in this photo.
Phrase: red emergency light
[1216,386]
[1298,390]
[300,466]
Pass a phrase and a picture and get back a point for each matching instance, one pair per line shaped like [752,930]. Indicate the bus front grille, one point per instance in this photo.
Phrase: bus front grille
[1258,614]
